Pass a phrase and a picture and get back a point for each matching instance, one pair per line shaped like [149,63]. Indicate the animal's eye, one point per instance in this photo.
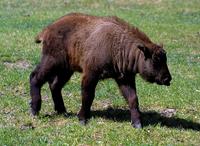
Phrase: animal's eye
[164,52]
[156,59]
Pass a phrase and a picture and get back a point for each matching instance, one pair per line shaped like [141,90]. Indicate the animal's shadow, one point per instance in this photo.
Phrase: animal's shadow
[148,118]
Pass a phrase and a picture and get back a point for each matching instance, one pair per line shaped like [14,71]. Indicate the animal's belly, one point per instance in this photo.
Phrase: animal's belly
[107,74]
[77,68]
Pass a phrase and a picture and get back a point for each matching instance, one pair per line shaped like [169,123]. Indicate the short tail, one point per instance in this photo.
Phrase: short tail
[40,37]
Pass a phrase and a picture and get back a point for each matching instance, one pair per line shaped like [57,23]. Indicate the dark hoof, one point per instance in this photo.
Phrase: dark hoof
[33,112]
[60,110]
[35,109]
[64,113]
[137,125]
[83,122]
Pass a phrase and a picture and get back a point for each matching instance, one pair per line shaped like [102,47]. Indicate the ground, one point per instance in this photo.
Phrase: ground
[170,114]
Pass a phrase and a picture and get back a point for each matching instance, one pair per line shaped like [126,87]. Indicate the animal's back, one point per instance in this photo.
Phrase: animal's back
[78,22]
[85,38]
[69,35]
[67,23]
[65,37]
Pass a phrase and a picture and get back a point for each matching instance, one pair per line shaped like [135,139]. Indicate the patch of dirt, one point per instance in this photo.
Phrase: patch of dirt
[59,122]
[21,64]
[97,136]
[169,112]
[141,2]
[103,104]
[195,52]
[83,145]
[27,126]
[195,59]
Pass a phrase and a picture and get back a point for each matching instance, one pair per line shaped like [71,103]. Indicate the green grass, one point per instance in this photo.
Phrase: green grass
[175,23]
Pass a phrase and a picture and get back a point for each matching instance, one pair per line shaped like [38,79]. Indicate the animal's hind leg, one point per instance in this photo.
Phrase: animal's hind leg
[37,78]
[56,86]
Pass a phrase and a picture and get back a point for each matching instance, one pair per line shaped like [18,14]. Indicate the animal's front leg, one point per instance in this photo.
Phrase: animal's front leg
[38,77]
[35,92]
[89,82]
[129,92]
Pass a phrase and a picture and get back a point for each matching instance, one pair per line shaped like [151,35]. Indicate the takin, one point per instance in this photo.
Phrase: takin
[99,48]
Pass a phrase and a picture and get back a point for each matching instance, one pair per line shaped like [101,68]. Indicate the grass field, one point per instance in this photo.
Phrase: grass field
[175,23]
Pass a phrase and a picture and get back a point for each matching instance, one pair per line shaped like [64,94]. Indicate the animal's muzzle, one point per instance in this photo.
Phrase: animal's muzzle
[166,80]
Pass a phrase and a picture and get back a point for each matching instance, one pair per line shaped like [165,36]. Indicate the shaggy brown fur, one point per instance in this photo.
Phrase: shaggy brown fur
[99,47]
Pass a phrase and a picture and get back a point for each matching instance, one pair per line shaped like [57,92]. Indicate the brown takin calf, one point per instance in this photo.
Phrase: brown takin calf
[99,47]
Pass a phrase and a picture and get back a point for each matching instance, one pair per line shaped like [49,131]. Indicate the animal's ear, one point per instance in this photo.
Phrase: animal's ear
[161,45]
[145,50]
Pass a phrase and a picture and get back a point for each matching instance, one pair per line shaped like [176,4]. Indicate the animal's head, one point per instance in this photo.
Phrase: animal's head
[153,64]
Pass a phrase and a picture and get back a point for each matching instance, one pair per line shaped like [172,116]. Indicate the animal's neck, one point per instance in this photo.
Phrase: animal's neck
[140,63]
[127,59]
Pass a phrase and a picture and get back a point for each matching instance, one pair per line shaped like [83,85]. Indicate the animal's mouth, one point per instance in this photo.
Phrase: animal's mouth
[166,84]
[166,80]
[163,82]
[158,82]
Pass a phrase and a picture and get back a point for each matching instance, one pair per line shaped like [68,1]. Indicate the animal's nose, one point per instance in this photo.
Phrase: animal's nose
[167,79]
